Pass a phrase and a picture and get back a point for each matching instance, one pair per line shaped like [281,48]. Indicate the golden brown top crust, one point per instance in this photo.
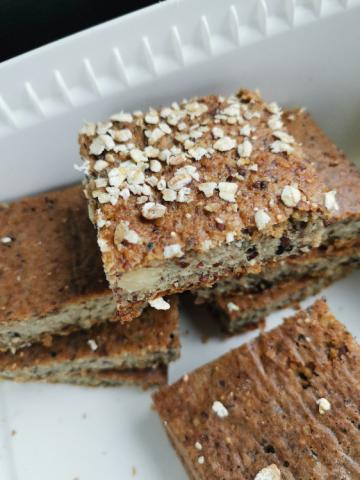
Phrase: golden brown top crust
[334,170]
[154,332]
[192,177]
[289,398]
[48,255]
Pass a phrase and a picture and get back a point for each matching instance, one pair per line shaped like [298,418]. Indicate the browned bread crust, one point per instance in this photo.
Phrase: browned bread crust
[51,259]
[269,412]
[211,237]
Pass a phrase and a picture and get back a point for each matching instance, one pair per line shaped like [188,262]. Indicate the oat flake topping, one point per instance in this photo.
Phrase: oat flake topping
[269,473]
[220,410]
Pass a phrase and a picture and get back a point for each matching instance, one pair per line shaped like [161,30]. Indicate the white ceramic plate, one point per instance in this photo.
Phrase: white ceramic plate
[296,51]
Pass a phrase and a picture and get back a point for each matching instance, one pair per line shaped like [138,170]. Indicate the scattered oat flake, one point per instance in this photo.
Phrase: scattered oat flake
[227,191]
[103,127]
[179,180]
[232,110]
[174,250]
[183,195]
[290,196]
[103,245]
[324,405]
[273,107]
[159,304]
[201,460]
[232,307]
[138,155]
[207,188]
[123,135]
[198,446]
[225,144]
[330,201]
[161,184]
[122,117]
[100,182]
[284,136]
[217,132]
[220,410]
[269,473]
[92,344]
[152,118]
[197,153]
[169,195]
[116,176]
[165,128]
[275,122]
[245,130]
[100,165]
[245,149]
[122,232]
[230,237]
[195,109]
[191,170]
[188,144]
[101,143]
[155,166]
[151,152]
[154,135]
[151,210]
[261,219]
[103,197]
[6,240]
[165,112]
[279,147]
[125,193]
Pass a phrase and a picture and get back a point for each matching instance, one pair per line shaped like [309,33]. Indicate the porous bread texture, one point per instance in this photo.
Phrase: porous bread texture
[75,315]
[319,262]
[195,270]
[254,308]
[145,378]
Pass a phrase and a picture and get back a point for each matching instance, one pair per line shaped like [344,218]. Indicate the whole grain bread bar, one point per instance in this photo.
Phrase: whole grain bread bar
[286,405]
[185,195]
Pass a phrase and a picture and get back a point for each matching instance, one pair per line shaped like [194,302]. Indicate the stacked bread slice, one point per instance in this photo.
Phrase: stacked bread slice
[284,406]
[58,320]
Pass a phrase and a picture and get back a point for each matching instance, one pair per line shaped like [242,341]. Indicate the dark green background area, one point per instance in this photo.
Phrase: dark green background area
[27,24]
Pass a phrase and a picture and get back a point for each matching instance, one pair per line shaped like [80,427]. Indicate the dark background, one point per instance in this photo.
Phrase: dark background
[27,24]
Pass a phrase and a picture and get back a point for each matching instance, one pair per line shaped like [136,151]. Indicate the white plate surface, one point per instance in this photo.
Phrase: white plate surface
[297,51]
